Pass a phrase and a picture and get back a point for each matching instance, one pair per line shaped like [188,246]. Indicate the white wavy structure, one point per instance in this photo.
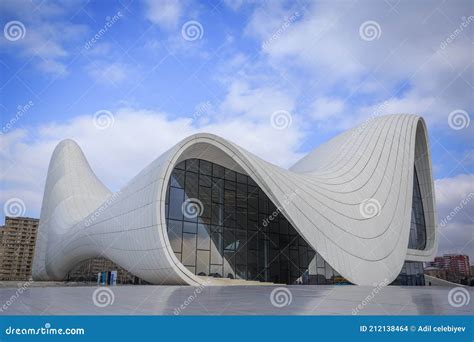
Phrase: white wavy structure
[81,218]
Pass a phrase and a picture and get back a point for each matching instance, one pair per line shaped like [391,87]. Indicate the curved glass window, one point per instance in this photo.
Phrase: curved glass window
[417,238]
[221,224]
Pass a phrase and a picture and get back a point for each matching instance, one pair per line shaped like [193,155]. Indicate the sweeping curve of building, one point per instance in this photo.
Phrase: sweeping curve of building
[350,202]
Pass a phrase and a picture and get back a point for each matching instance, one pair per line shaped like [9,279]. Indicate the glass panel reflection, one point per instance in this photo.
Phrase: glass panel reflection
[233,236]
[417,238]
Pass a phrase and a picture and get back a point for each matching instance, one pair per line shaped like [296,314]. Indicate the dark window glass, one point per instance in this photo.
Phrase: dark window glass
[229,240]
[417,236]
[239,232]
[217,248]
[230,175]
[203,237]
[191,185]
[189,249]
[205,181]
[189,227]
[181,165]
[192,165]
[175,231]
[177,178]
[217,217]
[205,195]
[205,167]
[241,178]
[202,263]
[217,171]
[217,190]
[176,203]
[241,195]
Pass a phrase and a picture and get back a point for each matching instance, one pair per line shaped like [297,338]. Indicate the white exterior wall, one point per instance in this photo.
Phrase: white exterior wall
[326,189]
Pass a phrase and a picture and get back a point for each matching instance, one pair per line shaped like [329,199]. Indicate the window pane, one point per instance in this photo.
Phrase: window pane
[216,248]
[205,167]
[189,249]
[176,202]
[189,227]
[177,178]
[216,270]
[191,185]
[181,166]
[205,181]
[217,217]
[202,264]
[204,238]
[217,171]
[230,175]
[175,230]
[241,195]
[192,165]
[229,240]
[217,190]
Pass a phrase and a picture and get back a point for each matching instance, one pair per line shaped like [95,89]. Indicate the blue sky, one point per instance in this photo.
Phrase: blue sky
[328,65]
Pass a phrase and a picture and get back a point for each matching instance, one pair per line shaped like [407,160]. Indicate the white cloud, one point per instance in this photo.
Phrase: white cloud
[405,66]
[110,73]
[326,108]
[165,13]
[47,33]
[455,207]
[255,102]
[118,153]
[235,5]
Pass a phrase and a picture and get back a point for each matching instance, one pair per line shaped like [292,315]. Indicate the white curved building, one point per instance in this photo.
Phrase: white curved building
[360,206]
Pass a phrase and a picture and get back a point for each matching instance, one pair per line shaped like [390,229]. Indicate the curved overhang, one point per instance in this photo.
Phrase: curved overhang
[323,196]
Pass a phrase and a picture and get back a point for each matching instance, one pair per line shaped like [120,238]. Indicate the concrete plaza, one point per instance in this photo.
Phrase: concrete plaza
[232,300]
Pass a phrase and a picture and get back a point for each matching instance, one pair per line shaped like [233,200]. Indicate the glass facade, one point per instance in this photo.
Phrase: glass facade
[412,274]
[417,239]
[233,236]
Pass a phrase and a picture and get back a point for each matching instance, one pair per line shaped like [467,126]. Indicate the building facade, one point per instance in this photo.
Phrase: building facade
[455,263]
[454,267]
[17,246]
[358,209]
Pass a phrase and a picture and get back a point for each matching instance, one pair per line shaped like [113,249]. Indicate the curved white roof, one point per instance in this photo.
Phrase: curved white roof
[329,197]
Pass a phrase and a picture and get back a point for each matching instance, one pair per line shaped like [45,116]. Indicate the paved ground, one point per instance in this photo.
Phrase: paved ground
[234,300]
